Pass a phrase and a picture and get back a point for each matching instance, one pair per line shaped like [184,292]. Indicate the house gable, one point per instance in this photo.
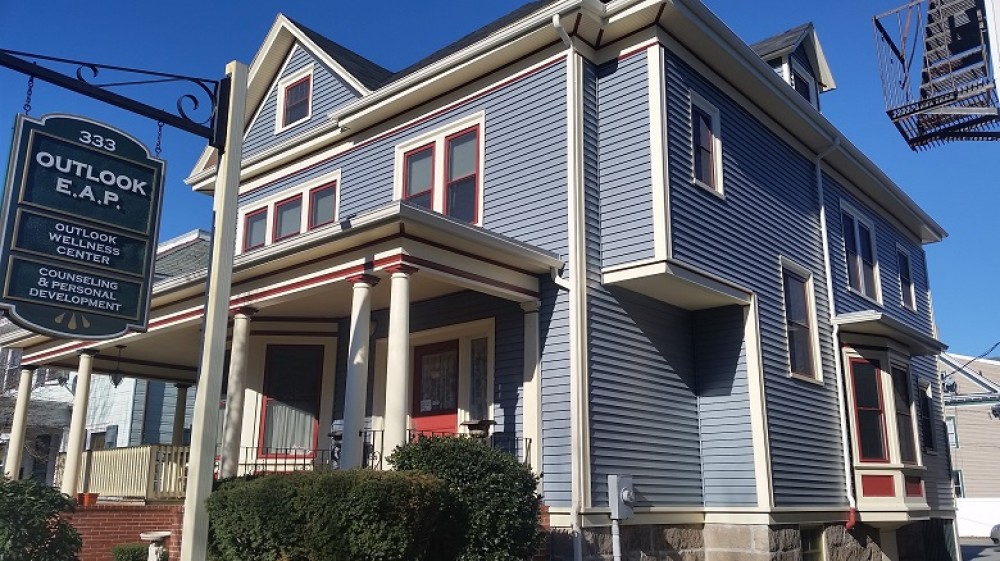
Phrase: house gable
[328,90]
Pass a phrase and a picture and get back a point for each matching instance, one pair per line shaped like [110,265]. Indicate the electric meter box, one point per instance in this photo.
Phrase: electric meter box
[621,496]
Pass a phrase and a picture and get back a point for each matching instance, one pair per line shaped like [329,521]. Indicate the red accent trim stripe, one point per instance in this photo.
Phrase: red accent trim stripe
[877,486]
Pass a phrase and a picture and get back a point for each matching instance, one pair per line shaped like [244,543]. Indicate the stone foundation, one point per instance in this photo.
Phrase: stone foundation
[715,542]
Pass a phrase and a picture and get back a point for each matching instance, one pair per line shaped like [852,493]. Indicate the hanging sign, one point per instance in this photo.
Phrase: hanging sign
[81,215]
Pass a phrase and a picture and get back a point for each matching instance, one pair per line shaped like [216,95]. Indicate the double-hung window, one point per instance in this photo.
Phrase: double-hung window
[290,212]
[443,170]
[800,325]
[904,414]
[869,411]
[706,144]
[905,279]
[926,418]
[290,416]
[859,246]
[294,103]
[323,205]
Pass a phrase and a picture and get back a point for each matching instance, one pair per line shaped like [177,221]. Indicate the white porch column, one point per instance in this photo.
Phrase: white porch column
[356,392]
[15,447]
[235,392]
[397,377]
[78,424]
[532,387]
[180,410]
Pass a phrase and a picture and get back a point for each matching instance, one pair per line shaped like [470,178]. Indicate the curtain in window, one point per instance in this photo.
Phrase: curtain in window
[289,425]
[479,383]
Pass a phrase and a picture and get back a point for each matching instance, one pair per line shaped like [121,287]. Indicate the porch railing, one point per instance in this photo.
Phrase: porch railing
[157,472]
[152,472]
[519,447]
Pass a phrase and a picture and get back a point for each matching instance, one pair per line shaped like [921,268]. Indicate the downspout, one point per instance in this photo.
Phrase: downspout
[838,366]
[576,285]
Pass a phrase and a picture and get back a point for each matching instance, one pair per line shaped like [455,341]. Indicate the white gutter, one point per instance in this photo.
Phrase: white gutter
[838,367]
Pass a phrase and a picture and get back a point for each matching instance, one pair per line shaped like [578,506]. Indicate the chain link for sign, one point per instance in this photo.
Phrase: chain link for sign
[27,98]
[159,138]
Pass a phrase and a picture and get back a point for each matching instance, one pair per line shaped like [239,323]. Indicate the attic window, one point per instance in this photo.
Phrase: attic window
[803,82]
[294,99]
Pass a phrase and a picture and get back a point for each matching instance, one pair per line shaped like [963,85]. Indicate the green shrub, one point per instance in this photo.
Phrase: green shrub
[497,506]
[352,515]
[133,552]
[31,525]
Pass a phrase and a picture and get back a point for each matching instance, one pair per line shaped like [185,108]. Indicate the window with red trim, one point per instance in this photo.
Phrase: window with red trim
[869,411]
[288,218]
[322,205]
[296,101]
[255,229]
[418,176]
[290,412]
[461,190]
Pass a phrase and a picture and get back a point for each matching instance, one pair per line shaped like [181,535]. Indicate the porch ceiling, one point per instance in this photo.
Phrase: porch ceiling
[298,287]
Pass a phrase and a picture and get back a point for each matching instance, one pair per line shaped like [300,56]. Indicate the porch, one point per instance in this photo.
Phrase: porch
[155,473]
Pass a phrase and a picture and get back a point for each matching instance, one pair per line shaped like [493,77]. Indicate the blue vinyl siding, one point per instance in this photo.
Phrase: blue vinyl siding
[724,406]
[886,239]
[770,210]
[625,170]
[643,402]
[328,93]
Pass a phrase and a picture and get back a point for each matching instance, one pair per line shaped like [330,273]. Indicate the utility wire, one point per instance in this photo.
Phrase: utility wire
[971,360]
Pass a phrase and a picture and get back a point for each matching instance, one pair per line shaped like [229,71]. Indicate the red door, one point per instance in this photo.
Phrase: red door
[435,388]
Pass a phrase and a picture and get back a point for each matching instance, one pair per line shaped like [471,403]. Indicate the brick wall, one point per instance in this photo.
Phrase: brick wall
[544,520]
[106,525]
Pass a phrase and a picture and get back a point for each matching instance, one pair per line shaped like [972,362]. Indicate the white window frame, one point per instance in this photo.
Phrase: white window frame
[437,138]
[283,84]
[957,474]
[951,425]
[302,189]
[697,101]
[794,67]
[899,272]
[860,218]
[785,263]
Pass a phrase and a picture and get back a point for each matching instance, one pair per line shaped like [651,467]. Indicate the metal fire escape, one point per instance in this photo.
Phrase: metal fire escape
[954,95]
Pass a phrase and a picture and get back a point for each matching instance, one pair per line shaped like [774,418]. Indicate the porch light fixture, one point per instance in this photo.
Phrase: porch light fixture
[117,376]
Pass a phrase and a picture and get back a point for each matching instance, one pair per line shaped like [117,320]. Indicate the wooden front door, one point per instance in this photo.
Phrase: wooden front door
[435,388]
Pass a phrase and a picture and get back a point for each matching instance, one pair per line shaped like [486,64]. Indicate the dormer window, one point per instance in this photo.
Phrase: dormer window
[803,82]
[294,99]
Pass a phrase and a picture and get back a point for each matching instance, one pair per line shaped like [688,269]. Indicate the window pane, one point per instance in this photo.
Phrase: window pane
[289,219]
[866,251]
[866,387]
[462,199]
[297,101]
[478,391]
[255,228]
[322,210]
[926,427]
[904,420]
[419,170]
[800,350]
[438,382]
[796,307]
[422,200]
[292,375]
[801,85]
[905,280]
[870,433]
[851,249]
[462,156]
[703,149]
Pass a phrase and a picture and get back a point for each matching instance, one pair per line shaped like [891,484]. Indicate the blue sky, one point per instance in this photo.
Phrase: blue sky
[956,184]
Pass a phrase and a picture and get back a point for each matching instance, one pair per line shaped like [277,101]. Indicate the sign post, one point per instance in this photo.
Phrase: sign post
[81,216]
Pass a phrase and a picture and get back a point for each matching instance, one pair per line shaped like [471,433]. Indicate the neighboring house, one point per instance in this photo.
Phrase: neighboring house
[972,420]
[616,232]
[48,417]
